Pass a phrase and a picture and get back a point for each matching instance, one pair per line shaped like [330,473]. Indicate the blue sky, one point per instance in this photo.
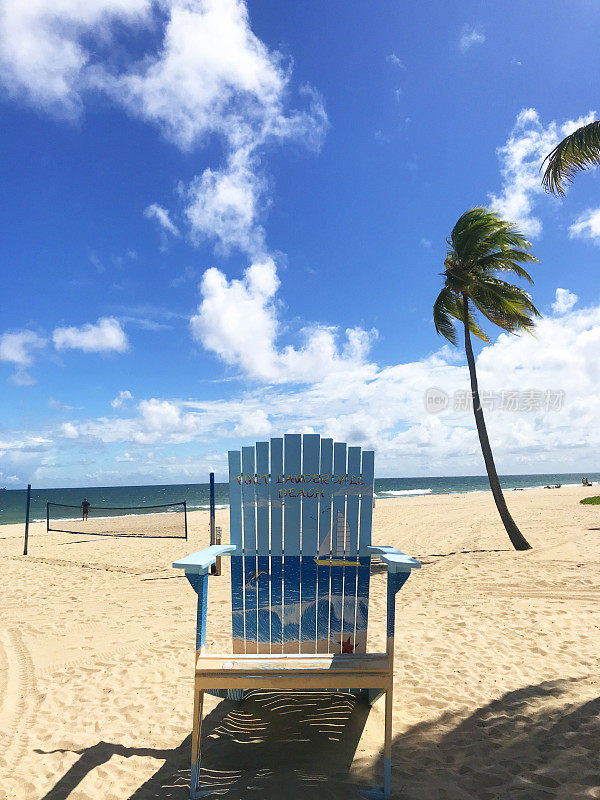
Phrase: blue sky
[226,221]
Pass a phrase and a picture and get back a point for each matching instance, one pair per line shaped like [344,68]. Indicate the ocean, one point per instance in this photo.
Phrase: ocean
[13,501]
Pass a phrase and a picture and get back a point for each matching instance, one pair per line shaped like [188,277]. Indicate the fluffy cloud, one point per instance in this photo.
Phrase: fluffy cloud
[384,407]
[470,36]
[527,146]
[237,320]
[121,399]
[226,204]
[210,76]
[161,215]
[587,226]
[377,406]
[18,348]
[69,431]
[105,336]
[43,57]
[565,300]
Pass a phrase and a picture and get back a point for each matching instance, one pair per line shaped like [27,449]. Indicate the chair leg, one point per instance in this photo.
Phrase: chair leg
[383,792]
[387,749]
[196,742]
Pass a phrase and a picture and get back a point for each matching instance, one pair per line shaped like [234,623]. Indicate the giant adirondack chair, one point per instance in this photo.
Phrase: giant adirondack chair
[300,545]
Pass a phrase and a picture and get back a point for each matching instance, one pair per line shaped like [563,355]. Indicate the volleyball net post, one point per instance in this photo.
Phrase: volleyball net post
[27,519]
[216,567]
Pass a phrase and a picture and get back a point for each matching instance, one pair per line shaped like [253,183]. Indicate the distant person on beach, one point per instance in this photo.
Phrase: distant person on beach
[85,508]
[585,482]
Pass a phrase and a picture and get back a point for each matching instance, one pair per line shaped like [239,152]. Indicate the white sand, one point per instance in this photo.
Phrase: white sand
[497,679]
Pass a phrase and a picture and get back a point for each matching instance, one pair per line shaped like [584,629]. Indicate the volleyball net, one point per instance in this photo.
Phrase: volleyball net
[165,521]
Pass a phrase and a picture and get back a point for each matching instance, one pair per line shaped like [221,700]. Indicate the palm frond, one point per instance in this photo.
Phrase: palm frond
[507,306]
[443,314]
[576,152]
[446,309]
[508,261]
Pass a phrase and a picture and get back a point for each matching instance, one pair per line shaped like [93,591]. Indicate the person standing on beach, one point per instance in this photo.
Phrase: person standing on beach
[85,507]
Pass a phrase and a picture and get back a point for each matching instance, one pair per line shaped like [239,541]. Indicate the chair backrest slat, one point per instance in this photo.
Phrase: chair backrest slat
[324,551]
[338,543]
[237,563]
[310,543]
[292,464]
[249,550]
[301,513]
[276,569]
[262,546]
[364,558]
[350,571]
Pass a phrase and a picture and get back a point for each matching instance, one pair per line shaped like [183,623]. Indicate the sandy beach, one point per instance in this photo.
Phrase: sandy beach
[496,688]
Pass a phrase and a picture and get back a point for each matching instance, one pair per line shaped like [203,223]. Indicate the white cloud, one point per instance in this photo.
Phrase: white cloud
[565,300]
[383,408]
[470,36]
[42,54]
[376,406]
[587,226]
[230,309]
[161,215]
[395,61]
[521,157]
[121,399]
[18,347]
[226,204]
[210,76]
[69,431]
[105,336]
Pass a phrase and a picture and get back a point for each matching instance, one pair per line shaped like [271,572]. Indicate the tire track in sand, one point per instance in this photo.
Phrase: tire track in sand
[20,702]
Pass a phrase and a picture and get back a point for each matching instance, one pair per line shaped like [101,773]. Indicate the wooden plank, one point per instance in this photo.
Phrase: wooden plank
[262,546]
[364,571]
[235,537]
[351,551]
[237,604]
[249,544]
[310,546]
[338,544]
[235,498]
[292,679]
[291,534]
[324,567]
[366,502]
[307,662]
[276,561]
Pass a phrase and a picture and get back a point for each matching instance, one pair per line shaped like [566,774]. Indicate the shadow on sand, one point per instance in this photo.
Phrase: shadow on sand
[281,744]
[527,745]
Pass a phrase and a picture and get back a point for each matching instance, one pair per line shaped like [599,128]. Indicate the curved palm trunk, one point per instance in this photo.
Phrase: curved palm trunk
[519,542]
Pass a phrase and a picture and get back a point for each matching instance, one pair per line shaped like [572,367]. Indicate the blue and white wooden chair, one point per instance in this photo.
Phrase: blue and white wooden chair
[300,545]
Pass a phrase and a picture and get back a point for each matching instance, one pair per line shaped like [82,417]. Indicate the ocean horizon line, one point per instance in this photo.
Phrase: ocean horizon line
[142,498]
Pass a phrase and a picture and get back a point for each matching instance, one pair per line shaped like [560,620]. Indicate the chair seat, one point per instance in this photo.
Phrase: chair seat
[293,670]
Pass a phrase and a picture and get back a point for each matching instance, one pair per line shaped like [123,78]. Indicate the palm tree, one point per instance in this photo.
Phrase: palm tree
[481,245]
[578,151]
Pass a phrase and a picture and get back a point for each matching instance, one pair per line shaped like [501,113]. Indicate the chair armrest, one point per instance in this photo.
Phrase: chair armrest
[396,560]
[200,563]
